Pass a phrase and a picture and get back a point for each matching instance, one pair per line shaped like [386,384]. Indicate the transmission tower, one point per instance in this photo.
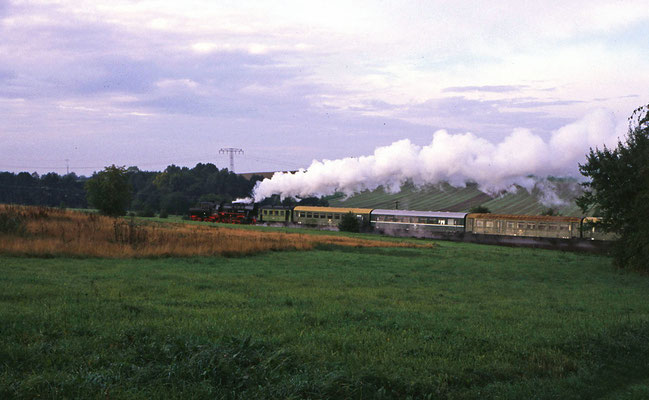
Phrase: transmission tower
[231,151]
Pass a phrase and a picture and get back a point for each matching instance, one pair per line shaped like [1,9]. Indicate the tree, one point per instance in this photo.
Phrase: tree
[551,212]
[618,190]
[480,210]
[109,191]
[349,223]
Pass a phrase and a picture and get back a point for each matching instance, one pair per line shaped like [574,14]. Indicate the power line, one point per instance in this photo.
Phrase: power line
[68,167]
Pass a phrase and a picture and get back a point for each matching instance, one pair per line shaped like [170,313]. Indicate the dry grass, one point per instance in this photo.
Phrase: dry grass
[40,231]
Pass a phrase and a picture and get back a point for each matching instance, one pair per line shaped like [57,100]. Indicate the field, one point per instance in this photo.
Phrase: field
[42,231]
[452,321]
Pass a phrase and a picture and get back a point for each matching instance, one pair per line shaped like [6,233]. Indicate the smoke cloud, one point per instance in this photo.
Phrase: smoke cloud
[454,158]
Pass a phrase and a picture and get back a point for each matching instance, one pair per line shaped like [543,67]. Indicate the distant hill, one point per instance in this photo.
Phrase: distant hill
[556,193]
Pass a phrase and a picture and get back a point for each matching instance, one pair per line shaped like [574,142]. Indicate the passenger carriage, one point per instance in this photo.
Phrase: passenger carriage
[328,216]
[417,223]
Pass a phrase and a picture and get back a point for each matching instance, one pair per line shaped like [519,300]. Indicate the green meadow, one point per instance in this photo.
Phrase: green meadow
[458,321]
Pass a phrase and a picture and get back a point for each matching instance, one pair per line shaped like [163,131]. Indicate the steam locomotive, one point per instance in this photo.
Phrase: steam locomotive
[232,213]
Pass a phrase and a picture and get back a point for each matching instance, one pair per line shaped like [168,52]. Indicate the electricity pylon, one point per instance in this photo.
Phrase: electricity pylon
[231,151]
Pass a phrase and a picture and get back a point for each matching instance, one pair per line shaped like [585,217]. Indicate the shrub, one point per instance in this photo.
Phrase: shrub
[349,223]
[12,222]
[147,212]
[480,210]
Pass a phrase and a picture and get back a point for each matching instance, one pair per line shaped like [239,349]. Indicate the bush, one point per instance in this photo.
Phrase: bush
[164,214]
[480,210]
[349,223]
[12,223]
[147,213]
[551,212]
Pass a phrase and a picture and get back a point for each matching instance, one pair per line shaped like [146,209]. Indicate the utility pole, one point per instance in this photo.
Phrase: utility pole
[231,151]
[67,166]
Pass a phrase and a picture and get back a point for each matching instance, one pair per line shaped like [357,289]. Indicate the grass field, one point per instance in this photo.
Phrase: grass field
[457,321]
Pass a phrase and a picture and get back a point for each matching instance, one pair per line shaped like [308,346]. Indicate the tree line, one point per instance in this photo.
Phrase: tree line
[172,191]
[50,189]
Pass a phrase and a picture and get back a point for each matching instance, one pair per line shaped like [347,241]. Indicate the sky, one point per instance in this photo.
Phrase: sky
[89,83]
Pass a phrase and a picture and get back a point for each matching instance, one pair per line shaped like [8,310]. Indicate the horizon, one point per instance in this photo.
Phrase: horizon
[87,84]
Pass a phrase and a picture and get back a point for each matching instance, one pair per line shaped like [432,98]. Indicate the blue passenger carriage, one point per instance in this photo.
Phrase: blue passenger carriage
[417,223]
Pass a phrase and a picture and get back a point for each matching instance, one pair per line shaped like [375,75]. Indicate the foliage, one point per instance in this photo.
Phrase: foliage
[550,211]
[619,190]
[480,210]
[147,212]
[176,188]
[109,191]
[49,189]
[313,202]
[12,222]
[349,223]
[459,321]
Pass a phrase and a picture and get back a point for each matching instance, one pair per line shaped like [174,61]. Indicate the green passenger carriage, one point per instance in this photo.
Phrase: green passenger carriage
[328,216]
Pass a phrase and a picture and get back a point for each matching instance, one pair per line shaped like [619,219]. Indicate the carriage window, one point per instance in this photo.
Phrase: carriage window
[337,216]
[511,225]
[552,227]
[330,216]
[531,226]
[309,215]
[542,227]
[265,212]
[489,224]
[451,221]
[479,223]
[521,225]
[563,227]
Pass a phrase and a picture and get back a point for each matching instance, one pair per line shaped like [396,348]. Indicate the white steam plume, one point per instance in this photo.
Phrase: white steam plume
[456,159]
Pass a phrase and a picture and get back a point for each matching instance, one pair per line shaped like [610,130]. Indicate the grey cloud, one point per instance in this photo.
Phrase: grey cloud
[487,88]
[75,58]
[374,105]
[6,75]
[515,103]
[4,7]
[488,117]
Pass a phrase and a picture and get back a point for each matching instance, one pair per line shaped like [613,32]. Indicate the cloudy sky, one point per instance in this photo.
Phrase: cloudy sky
[150,83]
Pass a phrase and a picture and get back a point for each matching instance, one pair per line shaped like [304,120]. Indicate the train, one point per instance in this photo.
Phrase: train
[424,224]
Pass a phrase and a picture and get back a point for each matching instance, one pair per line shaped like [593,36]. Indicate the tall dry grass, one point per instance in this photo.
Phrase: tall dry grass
[41,231]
